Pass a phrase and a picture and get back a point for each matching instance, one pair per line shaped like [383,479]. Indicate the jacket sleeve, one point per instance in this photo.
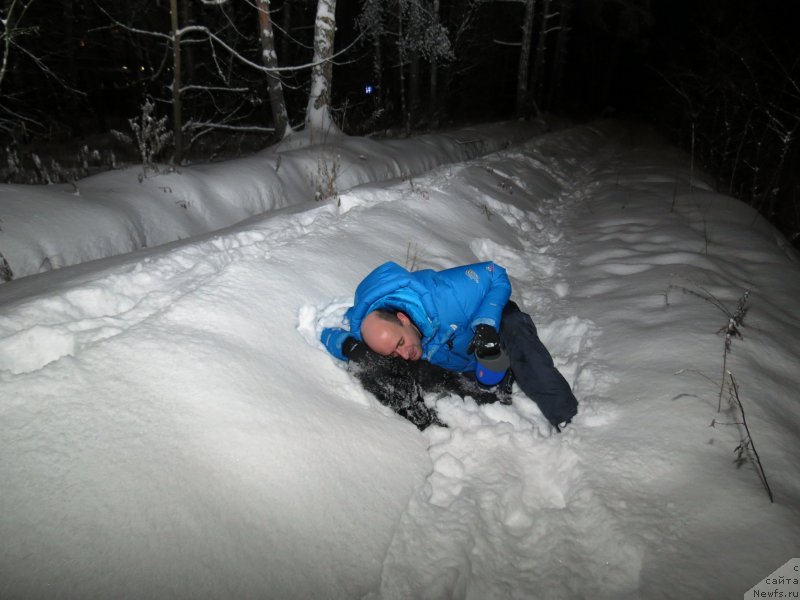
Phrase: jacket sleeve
[479,291]
[333,338]
[499,291]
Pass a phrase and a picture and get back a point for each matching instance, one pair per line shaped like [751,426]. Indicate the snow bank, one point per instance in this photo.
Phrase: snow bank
[49,227]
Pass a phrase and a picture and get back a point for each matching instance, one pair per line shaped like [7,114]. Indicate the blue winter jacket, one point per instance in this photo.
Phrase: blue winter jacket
[446,306]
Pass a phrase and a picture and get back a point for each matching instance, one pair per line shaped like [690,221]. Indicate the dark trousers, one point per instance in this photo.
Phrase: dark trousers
[533,367]
[400,384]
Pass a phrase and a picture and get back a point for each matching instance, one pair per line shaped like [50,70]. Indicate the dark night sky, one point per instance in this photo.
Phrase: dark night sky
[614,52]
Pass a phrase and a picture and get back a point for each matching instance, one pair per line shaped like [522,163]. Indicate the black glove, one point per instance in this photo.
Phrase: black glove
[486,341]
[355,350]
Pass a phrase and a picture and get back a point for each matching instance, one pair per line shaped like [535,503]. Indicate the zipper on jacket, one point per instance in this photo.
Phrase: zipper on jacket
[448,342]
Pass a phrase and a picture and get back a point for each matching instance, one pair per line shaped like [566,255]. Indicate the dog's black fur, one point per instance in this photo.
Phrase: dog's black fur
[400,384]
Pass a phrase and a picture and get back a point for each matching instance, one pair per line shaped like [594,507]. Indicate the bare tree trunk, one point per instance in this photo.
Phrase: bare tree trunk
[402,69]
[280,117]
[541,55]
[521,108]
[177,125]
[433,100]
[413,87]
[377,74]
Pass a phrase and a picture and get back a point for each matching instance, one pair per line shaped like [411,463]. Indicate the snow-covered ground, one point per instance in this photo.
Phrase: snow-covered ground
[171,427]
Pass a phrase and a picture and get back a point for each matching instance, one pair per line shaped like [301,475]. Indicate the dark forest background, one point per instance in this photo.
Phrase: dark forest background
[720,78]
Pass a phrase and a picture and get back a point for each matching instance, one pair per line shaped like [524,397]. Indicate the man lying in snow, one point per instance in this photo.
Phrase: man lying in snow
[453,331]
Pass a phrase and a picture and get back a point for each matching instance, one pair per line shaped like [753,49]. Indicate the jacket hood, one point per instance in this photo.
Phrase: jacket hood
[392,286]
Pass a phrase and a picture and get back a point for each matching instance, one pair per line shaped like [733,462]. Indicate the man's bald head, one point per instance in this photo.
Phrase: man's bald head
[391,333]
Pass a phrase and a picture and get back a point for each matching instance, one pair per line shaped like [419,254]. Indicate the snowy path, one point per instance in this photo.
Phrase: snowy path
[508,505]
[170,425]
[510,511]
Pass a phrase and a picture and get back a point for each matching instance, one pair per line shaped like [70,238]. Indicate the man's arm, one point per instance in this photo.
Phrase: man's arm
[483,289]
[333,338]
[499,291]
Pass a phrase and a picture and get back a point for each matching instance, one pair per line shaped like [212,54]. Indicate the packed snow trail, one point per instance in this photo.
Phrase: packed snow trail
[171,425]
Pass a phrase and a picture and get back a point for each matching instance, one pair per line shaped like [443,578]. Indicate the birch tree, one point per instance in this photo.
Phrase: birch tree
[318,112]
[280,117]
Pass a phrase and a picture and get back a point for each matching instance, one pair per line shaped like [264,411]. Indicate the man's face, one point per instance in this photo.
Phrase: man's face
[391,339]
